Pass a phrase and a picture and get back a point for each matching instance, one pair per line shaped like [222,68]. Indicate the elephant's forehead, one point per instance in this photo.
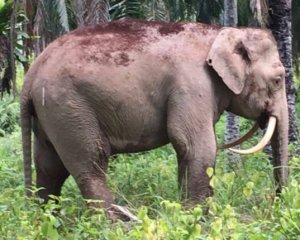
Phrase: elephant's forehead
[261,43]
[263,36]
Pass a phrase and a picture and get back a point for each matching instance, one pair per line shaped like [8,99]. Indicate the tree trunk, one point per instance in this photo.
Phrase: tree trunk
[12,37]
[5,65]
[230,13]
[39,29]
[90,12]
[232,121]
[28,29]
[280,24]
[50,22]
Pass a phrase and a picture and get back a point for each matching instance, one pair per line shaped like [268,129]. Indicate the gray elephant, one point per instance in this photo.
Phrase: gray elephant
[130,86]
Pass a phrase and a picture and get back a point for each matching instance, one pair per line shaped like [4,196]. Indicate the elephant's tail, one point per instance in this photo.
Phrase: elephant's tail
[26,122]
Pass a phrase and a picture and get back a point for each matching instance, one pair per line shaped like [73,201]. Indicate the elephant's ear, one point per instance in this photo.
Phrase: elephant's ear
[229,58]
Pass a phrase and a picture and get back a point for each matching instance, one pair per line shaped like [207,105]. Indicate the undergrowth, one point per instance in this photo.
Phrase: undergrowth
[244,205]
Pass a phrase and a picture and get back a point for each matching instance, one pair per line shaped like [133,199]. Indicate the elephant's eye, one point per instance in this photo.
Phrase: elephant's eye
[277,81]
[276,84]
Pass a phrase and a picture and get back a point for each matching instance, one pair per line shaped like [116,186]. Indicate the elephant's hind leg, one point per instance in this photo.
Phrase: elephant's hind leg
[50,171]
[91,180]
[84,151]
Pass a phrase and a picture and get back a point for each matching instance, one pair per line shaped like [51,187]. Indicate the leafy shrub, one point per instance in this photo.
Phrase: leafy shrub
[9,115]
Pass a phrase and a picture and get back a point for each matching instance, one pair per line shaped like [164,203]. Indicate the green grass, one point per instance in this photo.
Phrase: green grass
[244,205]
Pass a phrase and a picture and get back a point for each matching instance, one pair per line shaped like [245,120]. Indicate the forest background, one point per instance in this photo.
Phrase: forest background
[244,205]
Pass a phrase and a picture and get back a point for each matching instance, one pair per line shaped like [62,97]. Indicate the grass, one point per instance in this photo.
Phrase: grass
[244,205]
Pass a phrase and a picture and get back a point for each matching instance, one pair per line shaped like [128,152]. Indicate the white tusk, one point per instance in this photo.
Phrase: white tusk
[263,142]
[126,212]
[242,139]
[43,96]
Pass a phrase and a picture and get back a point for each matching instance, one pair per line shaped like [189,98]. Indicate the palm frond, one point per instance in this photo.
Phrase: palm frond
[51,21]
[71,13]
[128,9]
[62,11]
[5,13]
[55,17]
[209,11]
[177,10]
[245,16]
[155,10]
[260,10]
[91,11]
[11,19]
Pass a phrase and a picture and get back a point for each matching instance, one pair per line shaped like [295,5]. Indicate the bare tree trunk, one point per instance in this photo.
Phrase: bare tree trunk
[230,13]
[12,37]
[232,121]
[5,65]
[280,24]
[90,12]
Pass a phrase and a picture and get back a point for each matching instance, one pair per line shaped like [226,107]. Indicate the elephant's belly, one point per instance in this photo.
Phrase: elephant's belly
[139,141]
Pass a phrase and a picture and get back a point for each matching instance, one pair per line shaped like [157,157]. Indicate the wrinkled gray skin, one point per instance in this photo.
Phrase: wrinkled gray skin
[131,86]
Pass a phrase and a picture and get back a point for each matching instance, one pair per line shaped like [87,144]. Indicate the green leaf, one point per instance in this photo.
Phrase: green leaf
[210,171]
[20,56]
[2,3]
[247,191]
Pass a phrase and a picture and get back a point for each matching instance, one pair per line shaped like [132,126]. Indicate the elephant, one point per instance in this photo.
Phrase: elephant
[130,85]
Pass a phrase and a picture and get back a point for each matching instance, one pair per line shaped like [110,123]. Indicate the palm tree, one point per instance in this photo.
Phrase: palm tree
[230,13]
[5,59]
[29,10]
[208,11]
[12,40]
[232,121]
[50,21]
[143,9]
[280,24]
[10,23]
[296,35]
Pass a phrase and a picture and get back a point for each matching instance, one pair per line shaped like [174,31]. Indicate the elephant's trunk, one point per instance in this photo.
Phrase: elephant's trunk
[280,148]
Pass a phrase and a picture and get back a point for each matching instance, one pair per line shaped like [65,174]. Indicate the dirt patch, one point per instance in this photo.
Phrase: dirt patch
[122,59]
[170,28]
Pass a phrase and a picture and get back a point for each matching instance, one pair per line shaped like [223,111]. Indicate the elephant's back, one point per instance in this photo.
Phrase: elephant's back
[119,44]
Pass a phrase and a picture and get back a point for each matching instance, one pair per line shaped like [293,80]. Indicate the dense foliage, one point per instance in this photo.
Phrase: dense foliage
[244,205]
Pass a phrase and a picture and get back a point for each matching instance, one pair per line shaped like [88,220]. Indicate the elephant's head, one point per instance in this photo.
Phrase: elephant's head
[248,62]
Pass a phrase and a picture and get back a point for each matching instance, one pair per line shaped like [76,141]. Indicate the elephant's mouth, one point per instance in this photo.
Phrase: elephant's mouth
[262,122]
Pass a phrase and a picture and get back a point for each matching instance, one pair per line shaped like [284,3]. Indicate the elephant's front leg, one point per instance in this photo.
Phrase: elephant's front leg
[194,141]
[192,177]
